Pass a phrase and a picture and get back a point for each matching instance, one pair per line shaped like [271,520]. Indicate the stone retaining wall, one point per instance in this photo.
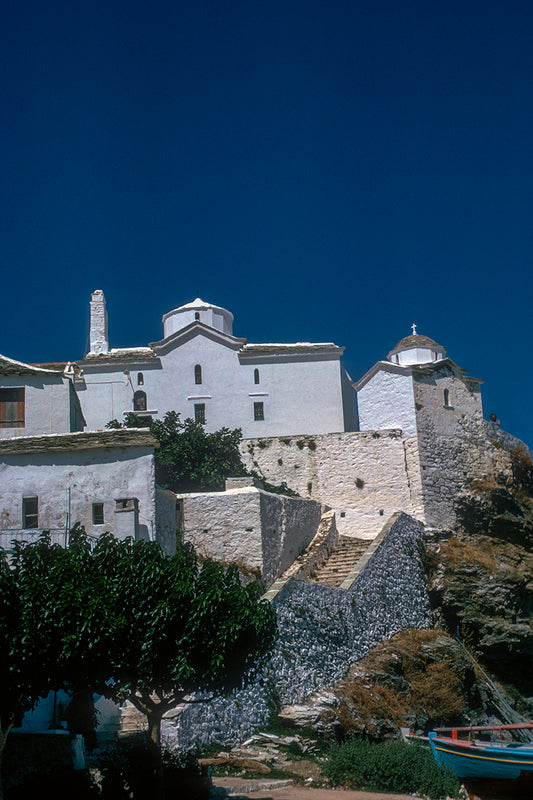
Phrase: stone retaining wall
[361,475]
[261,532]
[322,631]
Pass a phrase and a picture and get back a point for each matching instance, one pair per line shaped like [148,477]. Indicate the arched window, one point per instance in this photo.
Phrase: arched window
[197,374]
[256,376]
[446,398]
[197,316]
[140,379]
[139,401]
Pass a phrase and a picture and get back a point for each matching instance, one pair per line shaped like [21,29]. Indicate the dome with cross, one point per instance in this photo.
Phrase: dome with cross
[416,349]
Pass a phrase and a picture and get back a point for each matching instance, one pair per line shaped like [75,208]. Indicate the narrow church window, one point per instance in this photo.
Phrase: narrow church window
[140,379]
[259,412]
[30,512]
[139,401]
[256,376]
[198,374]
[197,316]
[446,398]
[199,412]
[12,408]
[98,513]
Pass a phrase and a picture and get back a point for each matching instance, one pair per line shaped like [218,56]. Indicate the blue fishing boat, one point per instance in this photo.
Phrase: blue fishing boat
[487,754]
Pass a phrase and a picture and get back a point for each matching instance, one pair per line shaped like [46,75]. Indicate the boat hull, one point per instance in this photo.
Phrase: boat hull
[495,761]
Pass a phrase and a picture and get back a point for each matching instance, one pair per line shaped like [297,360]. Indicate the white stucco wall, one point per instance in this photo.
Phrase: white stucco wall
[387,401]
[361,475]
[48,404]
[418,355]
[259,531]
[301,394]
[92,476]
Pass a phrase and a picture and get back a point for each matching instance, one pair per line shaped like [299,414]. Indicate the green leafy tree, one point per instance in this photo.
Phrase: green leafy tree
[167,630]
[39,623]
[189,459]
[125,620]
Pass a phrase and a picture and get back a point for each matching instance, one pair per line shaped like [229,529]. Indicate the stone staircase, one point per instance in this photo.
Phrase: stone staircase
[340,562]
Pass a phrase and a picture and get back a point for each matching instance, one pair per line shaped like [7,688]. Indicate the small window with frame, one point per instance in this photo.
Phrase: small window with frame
[98,513]
[256,376]
[198,374]
[199,412]
[30,512]
[259,412]
[12,408]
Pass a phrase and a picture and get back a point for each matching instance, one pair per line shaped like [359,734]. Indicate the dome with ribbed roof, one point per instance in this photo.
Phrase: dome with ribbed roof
[416,349]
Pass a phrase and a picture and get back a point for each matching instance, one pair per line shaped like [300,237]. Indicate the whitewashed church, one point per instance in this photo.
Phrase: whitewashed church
[200,369]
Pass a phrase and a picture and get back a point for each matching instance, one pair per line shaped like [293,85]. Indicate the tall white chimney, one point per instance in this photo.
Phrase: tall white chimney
[98,333]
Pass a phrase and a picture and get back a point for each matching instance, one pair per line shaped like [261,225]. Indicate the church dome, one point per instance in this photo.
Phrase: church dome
[416,349]
[198,311]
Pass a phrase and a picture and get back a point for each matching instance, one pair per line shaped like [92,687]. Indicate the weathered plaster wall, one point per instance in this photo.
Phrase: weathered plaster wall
[259,531]
[361,475]
[322,632]
[93,476]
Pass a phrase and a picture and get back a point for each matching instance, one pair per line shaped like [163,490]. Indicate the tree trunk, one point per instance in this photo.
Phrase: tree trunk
[154,727]
[154,736]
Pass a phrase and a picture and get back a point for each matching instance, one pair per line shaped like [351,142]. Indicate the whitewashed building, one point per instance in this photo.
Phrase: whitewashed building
[387,395]
[200,369]
[35,400]
[103,480]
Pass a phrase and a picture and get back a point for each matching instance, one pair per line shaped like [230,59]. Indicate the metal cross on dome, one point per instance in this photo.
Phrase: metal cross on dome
[413,328]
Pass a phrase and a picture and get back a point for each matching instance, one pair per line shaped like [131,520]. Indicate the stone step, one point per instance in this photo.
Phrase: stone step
[131,720]
[340,562]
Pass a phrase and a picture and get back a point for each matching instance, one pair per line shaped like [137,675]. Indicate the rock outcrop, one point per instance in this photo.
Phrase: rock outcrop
[417,679]
[481,583]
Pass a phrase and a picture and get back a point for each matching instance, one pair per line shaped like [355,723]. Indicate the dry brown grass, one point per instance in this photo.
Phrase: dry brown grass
[436,691]
[365,702]
[431,675]
[457,553]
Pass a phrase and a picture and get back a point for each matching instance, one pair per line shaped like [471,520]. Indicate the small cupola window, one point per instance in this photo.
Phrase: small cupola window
[197,316]
[197,374]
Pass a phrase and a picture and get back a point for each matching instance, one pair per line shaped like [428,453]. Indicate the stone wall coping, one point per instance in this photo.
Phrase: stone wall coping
[79,440]
[245,490]
[316,437]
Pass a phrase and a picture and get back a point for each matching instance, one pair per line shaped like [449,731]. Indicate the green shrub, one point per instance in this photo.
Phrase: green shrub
[390,767]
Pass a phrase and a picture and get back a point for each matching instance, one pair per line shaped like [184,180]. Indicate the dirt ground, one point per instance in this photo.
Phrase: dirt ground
[302,793]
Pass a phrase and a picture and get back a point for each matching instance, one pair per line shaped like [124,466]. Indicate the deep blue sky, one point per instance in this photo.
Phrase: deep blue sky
[328,171]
